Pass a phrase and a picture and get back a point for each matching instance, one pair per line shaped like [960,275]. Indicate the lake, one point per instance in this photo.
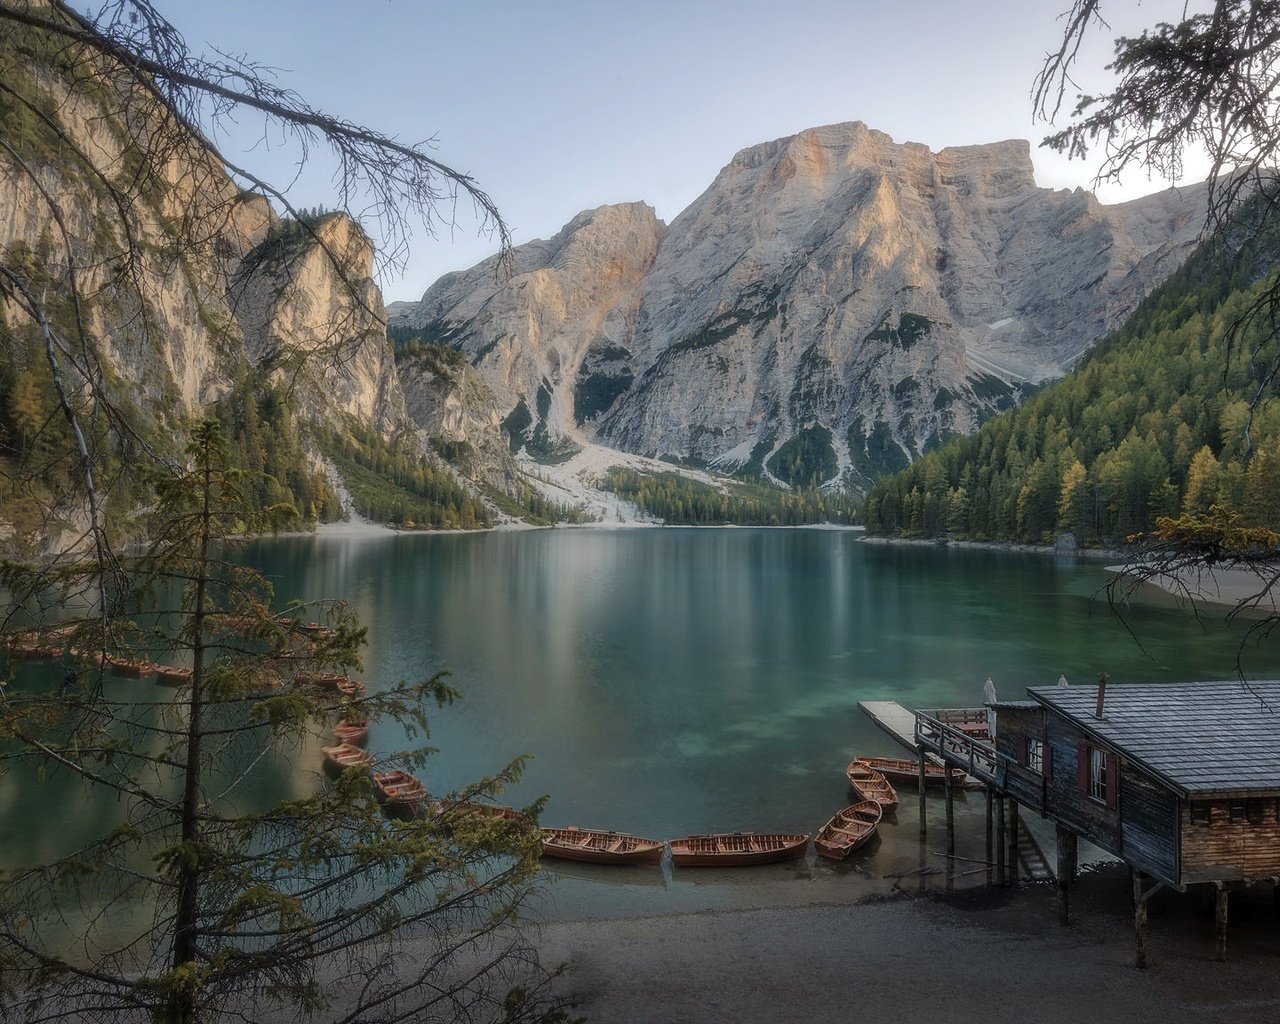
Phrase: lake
[672,681]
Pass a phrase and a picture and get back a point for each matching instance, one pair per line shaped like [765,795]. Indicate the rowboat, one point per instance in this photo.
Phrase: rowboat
[400,788]
[903,771]
[133,668]
[869,784]
[350,689]
[317,631]
[345,755]
[574,843]
[737,849]
[468,808]
[353,733]
[173,675]
[847,830]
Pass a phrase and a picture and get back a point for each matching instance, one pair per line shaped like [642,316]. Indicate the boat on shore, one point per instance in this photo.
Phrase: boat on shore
[869,784]
[346,755]
[902,771]
[737,849]
[353,733]
[132,668]
[598,847]
[470,808]
[399,789]
[173,675]
[848,830]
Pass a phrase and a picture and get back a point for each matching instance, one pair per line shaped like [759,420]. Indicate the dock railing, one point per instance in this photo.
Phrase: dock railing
[951,735]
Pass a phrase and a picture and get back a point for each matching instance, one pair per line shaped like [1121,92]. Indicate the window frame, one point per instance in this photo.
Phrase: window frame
[1035,755]
[1099,783]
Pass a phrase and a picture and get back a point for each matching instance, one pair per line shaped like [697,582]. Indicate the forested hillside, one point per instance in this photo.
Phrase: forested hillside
[1156,421]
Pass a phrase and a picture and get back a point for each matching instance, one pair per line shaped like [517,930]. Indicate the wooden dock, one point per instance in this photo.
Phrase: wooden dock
[894,719]
[900,723]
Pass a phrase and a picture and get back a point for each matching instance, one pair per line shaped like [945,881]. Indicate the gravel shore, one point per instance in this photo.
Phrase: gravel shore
[989,955]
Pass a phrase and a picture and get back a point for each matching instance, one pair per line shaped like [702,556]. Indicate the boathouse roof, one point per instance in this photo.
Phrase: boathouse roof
[1199,738]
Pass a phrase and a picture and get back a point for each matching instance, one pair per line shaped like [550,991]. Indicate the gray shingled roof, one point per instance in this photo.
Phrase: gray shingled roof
[1208,737]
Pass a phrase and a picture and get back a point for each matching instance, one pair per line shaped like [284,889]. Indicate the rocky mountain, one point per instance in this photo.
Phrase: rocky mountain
[833,304]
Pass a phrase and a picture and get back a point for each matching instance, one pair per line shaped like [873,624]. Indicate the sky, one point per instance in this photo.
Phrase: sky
[560,106]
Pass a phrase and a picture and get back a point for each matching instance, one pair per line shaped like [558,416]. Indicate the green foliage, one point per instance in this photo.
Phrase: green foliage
[264,441]
[393,482]
[1151,424]
[805,460]
[221,878]
[679,501]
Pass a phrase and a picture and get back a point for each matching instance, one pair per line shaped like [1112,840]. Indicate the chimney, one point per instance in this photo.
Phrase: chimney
[1102,694]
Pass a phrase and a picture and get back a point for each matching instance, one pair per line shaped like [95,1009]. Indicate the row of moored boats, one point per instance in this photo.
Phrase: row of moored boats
[847,831]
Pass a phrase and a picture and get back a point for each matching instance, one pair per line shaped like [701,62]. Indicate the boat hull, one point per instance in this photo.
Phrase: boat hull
[737,849]
[902,772]
[848,831]
[594,847]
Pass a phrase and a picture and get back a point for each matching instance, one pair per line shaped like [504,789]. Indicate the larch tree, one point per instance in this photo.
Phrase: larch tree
[1206,83]
[231,881]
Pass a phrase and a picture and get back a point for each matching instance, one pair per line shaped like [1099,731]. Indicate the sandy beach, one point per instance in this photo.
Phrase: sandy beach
[1218,585]
[990,955]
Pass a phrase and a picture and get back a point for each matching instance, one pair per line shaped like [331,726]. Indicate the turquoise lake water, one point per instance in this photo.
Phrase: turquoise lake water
[671,681]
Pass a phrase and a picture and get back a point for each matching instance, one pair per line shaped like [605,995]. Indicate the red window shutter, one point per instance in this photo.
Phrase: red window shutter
[1024,750]
[1082,763]
[1046,755]
[1113,781]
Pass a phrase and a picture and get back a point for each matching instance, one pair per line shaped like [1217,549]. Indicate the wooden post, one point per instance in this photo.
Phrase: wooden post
[1013,841]
[989,836]
[921,755]
[1000,844]
[1139,923]
[1066,872]
[951,808]
[1220,923]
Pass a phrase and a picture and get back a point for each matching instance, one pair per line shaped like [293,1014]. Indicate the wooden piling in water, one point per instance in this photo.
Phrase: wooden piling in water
[1013,841]
[1066,872]
[1220,922]
[1139,923]
[950,791]
[921,755]
[990,824]
[1000,844]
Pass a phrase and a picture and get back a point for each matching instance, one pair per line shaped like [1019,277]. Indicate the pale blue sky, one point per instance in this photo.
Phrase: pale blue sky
[561,106]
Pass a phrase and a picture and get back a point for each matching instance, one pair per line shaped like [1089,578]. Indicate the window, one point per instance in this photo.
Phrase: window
[1255,810]
[1035,755]
[1200,812]
[1237,811]
[1098,780]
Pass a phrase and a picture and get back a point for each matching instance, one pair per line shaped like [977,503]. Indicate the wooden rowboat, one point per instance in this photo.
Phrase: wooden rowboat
[903,771]
[469,808]
[353,733]
[847,830]
[345,755]
[173,675]
[737,849]
[400,788]
[586,844]
[869,784]
[133,668]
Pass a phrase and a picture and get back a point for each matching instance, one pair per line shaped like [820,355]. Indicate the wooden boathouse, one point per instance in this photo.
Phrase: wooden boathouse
[1181,781]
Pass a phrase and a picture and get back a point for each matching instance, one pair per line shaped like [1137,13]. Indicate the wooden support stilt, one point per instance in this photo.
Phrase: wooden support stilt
[1139,923]
[921,780]
[950,791]
[1000,844]
[1220,923]
[1013,841]
[990,837]
[1066,872]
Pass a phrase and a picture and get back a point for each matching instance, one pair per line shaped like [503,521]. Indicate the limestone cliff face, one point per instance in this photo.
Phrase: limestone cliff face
[538,330]
[313,317]
[184,279]
[834,301]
